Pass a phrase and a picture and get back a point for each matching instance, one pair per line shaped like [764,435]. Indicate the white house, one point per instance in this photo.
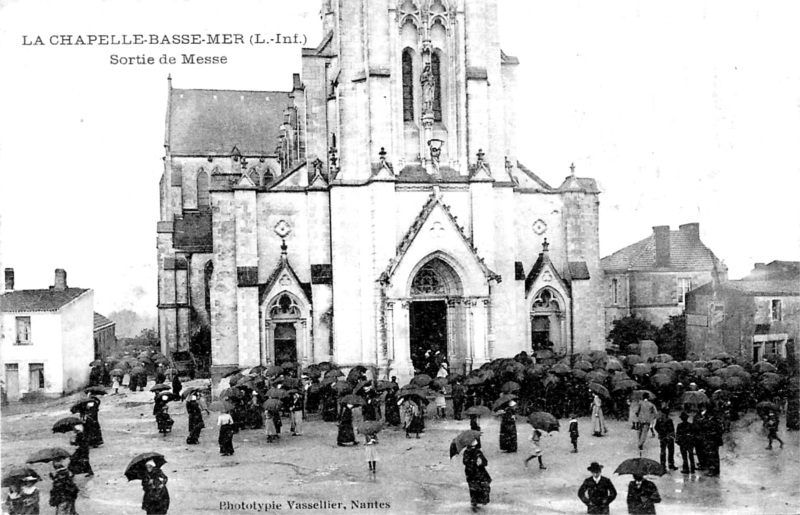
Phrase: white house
[46,337]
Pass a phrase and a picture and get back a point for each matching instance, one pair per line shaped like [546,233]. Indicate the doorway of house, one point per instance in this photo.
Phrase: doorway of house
[540,332]
[285,343]
[428,328]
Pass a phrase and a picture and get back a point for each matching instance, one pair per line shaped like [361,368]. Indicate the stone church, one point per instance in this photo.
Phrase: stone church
[375,211]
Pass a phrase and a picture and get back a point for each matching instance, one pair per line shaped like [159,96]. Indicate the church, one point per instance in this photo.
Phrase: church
[377,210]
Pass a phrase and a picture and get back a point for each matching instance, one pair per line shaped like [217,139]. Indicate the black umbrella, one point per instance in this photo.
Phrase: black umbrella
[463,440]
[49,454]
[81,406]
[694,398]
[136,469]
[231,373]
[421,380]
[277,393]
[95,390]
[543,420]
[65,425]
[292,382]
[272,405]
[273,371]
[386,385]
[221,406]
[257,370]
[641,466]
[160,388]
[510,387]
[167,397]
[185,394]
[599,390]
[288,365]
[474,381]
[17,474]
[481,411]
[503,400]
[355,400]
[417,394]
[767,406]
[342,386]
[95,363]
[370,427]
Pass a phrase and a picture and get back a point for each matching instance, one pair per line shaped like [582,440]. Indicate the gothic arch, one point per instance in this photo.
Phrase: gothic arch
[441,266]
[285,313]
[548,320]
[255,176]
[203,199]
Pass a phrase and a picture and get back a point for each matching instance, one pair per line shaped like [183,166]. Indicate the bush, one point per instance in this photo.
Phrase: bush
[671,337]
[631,330]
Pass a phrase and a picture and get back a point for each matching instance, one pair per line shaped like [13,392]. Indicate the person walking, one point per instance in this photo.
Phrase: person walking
[391,410]
[475,426]
[685,438]
[415,423]
[772,430]
[226,430]
[478,477]
[536,437]
[642,496]
[195,420]
[156,495]
[645,417]
[459,394]
[709,440]
[91,422]
[64,491]
[346,434]
[665,429]
[296,411]
[270,428]
[573,432]
[371,440]
[597,491]
[508,429]
[176,385]
[79,461]
[598,419]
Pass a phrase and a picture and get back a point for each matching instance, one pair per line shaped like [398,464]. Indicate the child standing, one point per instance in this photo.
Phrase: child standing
[537,449]
[573,433]
[772,428]
[115,384]
[226,429]
[372,454]
[64,491]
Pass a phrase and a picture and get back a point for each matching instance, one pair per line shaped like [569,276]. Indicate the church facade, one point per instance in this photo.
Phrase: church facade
[375,211]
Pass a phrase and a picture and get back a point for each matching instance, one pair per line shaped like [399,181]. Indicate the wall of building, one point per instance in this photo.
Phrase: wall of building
[77,337]
[105,342]
[45,348]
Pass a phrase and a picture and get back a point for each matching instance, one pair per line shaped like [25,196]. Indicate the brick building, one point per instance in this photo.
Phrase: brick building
[375,211]
[46,340]
[650,279]
[753,317]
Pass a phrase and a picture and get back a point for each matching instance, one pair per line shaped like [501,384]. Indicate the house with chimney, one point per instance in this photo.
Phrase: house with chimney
[755,317]
[46,338]
[650,278]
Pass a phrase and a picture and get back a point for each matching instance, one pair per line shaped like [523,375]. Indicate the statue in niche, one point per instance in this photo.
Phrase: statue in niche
[428,85]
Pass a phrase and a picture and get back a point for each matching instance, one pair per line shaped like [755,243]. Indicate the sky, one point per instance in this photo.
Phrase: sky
[682,111]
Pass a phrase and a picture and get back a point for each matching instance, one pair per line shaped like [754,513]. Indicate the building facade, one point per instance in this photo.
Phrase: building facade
[650,279]
[754,317]
[105,338]
[46,344]
[375,211]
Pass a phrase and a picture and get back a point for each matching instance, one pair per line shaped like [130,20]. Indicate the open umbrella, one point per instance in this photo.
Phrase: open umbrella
[146,360]
[700,372]
[714,381]
[160,388]
[663,358]
[355,400]
[715,364]
[613,365]
[292,382]
[231,393]
[117,372]
[642,369]
[582,365]
[735,368]
[510,387]
[370,427]
[334,372]
[277,393]
[417,394]
[462,440]
[187,392]
[764,366]
[136,469]
[386,385]
[273,371]
[599,390]
[627,384]
[641,466]
[95,390]
[723,372]
[17,474]
[543,420]
[272,405]
[503,400]
[342,387]
[633,359]
[288,365]
[579,374]
[767,406]
[167,397]
[257,370]
[48,454]
[596,376]
[222,406]
[694,399]
[560,368]
[662,380]
[65,425]
[638,395]
[734,382]
[81,406]
[474,381]
[421,380]
[95,363]
[481,411]
[544,353]
[440,383]
[137,370]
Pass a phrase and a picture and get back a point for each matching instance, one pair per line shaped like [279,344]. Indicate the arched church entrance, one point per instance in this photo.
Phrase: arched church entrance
[547,320]
[434,294]
[284,330]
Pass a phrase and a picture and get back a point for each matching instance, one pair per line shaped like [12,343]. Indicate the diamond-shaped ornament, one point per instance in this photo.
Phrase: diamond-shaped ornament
[283,228]
[539,227]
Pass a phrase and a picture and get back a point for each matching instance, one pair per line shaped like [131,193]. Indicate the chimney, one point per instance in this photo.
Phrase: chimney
[661,233]
[691,230]
[9,279]
[60,280]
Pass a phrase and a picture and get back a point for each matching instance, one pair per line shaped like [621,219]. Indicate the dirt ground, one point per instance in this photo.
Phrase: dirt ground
[310,474]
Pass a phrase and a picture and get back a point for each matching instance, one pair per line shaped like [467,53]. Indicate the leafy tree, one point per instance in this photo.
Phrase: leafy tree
[631,330]
[671,337]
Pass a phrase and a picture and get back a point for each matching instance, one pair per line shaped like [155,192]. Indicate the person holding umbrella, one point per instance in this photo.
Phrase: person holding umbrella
[346,435]
[459,394]
[415,422]
[478,477]
[537,449]
[64,491]
[154,483]
[79,462]
[195,419]
[772,430]
[508,428]
[642,496]
[597,491]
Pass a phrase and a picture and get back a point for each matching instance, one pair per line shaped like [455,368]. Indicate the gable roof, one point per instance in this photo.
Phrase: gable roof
[101,322]
[532,176]
[38,300]
[212,121]
[686,252]
[543,262]
[754,288]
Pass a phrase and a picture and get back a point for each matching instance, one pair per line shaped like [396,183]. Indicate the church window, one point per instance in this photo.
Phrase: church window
[614,290]
[208,270]
[437,86]
[284,307]
[546,300]
[202,190]
[255,177]
[268,176]
[408,86]
[427,282]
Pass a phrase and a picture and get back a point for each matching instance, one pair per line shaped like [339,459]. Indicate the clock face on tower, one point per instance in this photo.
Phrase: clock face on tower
[539,227]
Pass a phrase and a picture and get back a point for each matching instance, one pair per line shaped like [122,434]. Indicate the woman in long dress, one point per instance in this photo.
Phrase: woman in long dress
[478,477]
[598,420]
[195,420]
[416,424]
[346,434]
[79,461]
[91,423]
[269,425]
[392,410]
[156,495]
[508,429]
[226,430]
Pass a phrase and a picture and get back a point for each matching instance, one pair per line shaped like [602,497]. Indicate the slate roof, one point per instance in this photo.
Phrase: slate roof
[578,270]
[754,288]
[210,121]
[535,178]
[38,300]
[101,322]
[685,253]
[418,173]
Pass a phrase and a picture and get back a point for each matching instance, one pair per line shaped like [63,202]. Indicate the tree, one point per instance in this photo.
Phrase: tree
[630,330]
[671,337]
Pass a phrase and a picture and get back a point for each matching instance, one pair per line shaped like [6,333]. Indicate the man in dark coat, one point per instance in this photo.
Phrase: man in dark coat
[195,420]
[176,385]
[597,492]
[665,429]
[642,496]
[709,439]
[459,396]
[684,437]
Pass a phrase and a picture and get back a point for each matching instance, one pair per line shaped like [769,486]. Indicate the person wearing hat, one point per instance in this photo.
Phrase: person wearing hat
[665,429]
[346,435]
[91,421]
[598,419]
[459,394]
[597,491]
[156,495]
[64,491]
[645,417]
[79,462]
[508,429]
[296,410]
[685,438]
[195,420]
[370,408]
[23,497]
[478,477]
[642,496]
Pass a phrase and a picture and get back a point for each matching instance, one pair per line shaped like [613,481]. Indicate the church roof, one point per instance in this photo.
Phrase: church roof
[38,300]
[686,252]
[535,178]
[211,121]
[418,173]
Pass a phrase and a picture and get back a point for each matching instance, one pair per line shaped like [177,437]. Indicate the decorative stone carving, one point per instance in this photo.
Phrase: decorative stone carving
[539,227]
[283,229]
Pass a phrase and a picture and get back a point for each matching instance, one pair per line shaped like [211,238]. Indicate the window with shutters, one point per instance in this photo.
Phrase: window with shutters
[23,331]
[408,86]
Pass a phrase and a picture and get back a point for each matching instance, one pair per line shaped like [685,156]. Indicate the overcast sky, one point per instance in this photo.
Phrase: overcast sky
[683,112]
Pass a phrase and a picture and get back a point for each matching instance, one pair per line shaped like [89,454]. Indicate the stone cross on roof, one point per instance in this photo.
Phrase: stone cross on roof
[572,169]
